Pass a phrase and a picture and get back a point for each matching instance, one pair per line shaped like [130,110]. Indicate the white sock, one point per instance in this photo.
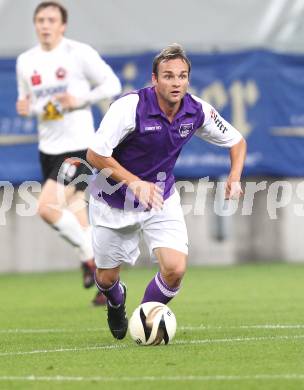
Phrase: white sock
[86,250]
[70,229]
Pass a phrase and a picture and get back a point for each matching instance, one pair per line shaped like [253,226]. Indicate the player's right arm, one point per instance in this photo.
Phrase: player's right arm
[23,101]
[25,105]
[116,125]
[149,194]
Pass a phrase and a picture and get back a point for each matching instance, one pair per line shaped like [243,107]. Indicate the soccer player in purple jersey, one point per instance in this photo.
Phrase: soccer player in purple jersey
[136,148]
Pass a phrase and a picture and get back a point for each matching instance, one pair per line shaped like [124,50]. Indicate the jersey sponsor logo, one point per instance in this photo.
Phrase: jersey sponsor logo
[43,92]
[52,112]
[218,121]
[185,129]
[61,73]
[151,125]
[36,78]
[153,128]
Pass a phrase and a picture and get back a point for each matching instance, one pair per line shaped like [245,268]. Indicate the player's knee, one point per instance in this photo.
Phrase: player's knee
[106,277]
[174,276]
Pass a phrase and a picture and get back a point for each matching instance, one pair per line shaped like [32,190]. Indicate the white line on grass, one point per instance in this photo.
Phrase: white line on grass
[54,330]
[190,378]
[180,328]
[41,351]
[261,326]
[272,326]
[238,339]
[177,342]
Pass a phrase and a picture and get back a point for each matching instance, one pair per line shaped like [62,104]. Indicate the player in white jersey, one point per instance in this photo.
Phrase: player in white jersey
[58,81]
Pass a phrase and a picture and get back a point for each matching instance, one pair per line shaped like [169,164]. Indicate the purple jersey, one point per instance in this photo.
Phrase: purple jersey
[151,144]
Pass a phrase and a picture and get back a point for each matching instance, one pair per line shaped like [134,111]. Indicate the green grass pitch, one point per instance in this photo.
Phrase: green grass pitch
[239,327]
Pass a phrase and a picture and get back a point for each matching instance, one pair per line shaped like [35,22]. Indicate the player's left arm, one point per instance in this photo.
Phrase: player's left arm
[105,84]
[233,189]
[218,131]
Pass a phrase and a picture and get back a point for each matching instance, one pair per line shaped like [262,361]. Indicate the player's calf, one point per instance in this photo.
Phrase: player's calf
[159,291]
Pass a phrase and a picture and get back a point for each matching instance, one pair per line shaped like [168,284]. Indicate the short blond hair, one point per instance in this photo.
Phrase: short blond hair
[170,53]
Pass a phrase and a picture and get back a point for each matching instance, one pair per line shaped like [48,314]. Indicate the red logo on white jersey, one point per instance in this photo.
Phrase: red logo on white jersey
[60,73]
[36,78]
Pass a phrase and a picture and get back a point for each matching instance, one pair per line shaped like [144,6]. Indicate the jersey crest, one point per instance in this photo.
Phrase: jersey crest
[61,73]
[185,129]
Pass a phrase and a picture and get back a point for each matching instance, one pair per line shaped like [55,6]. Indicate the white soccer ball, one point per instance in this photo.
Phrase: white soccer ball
[152,323]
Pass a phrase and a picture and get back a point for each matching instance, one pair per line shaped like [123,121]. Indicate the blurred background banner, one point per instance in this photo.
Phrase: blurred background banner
[248,62]
[260,92]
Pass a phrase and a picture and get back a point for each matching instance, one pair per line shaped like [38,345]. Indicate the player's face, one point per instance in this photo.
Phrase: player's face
[49,27]
[172,81]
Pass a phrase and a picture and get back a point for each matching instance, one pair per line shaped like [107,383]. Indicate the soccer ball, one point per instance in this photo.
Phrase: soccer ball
[152,323]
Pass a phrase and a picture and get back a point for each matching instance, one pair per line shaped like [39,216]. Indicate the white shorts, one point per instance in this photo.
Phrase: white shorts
[116,233]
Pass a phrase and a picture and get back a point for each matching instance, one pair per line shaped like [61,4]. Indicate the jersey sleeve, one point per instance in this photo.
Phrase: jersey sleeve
[215,129]
[105,84]
[118,122]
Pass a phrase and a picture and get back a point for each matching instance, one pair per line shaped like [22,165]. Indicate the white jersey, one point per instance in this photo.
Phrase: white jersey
[71,67]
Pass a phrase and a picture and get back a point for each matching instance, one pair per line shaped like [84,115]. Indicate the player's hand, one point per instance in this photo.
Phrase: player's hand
[233,189]
[23,107]
[149,194]
[67,101]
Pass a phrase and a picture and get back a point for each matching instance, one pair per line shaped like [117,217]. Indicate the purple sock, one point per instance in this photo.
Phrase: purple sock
[158,291]
[114,293]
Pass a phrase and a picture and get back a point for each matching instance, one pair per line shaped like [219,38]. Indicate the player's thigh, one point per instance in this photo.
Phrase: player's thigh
[77,204]
[113,247]
[53,194]
[167,228]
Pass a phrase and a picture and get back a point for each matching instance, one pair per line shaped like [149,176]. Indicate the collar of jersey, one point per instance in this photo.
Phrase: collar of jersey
[154,109]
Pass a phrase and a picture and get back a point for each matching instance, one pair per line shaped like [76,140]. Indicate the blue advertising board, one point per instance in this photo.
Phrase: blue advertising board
[260,92]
